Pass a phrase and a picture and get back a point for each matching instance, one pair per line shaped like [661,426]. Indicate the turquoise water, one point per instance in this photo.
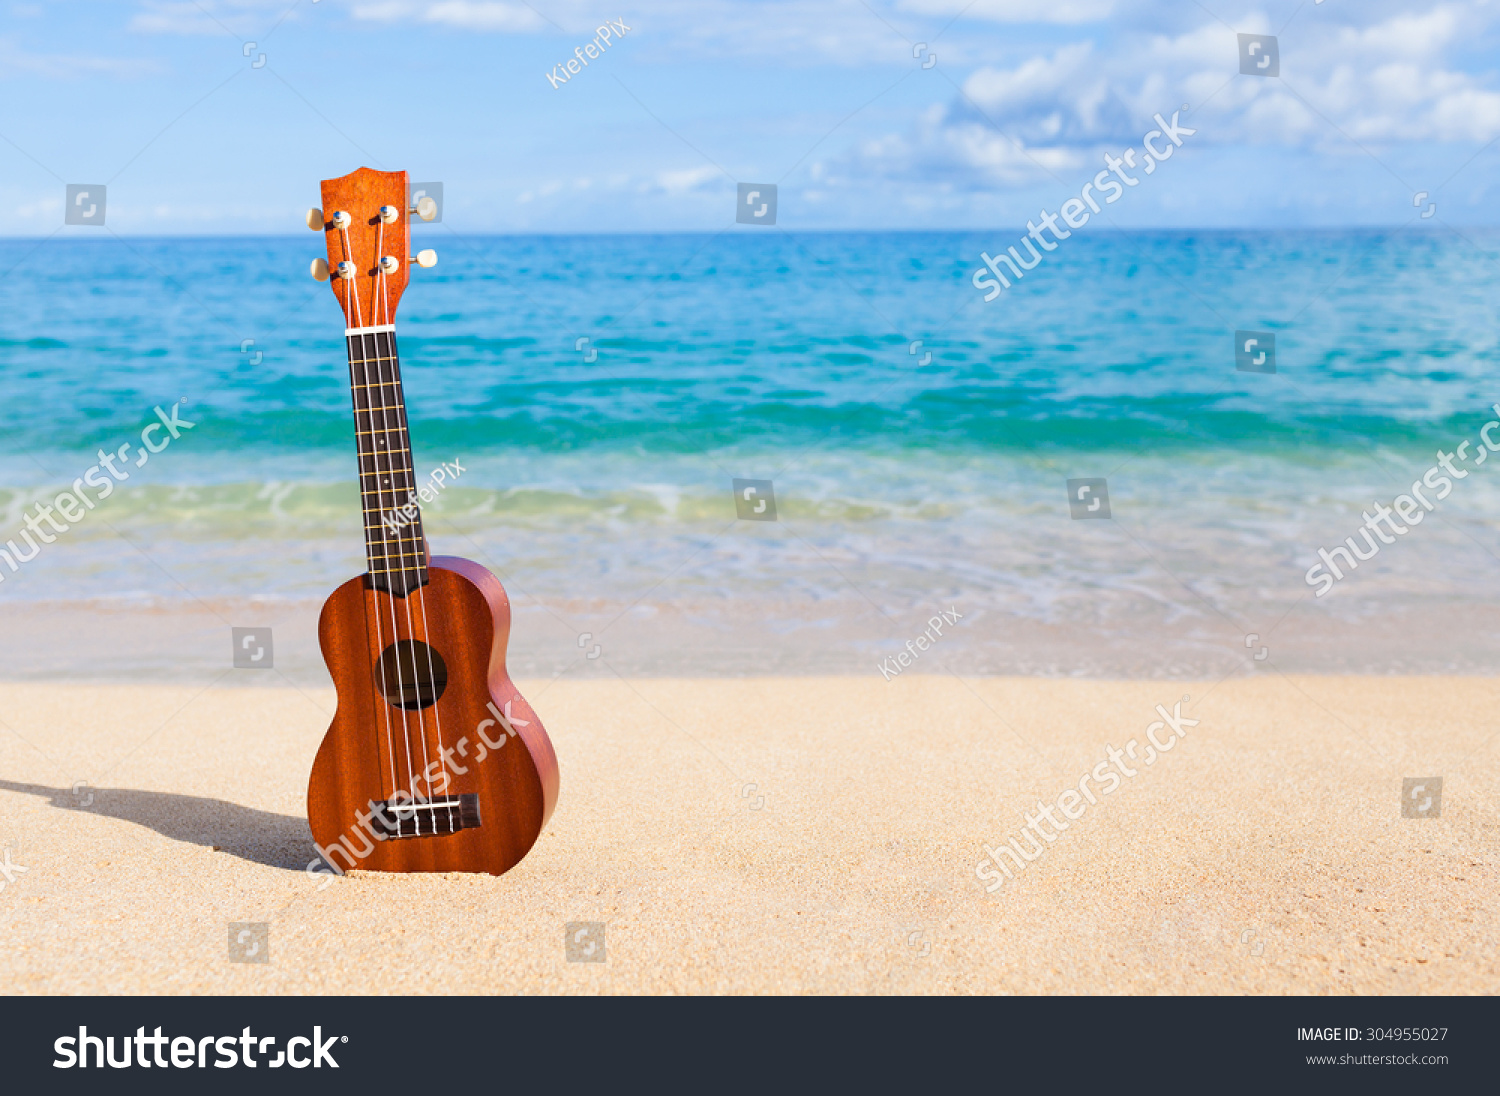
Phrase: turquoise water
[900,479]
[712,343]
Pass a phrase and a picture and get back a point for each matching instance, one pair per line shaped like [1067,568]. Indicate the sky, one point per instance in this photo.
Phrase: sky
[220,116]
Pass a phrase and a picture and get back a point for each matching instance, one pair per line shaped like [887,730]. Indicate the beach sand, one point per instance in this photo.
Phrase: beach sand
[780,835]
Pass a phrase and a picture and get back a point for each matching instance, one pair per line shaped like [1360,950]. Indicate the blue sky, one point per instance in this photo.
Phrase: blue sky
[158,98]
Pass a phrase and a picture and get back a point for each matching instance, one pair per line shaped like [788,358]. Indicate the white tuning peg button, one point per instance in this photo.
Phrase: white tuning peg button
[388,263]
[320,270]
[425,208]
[388,214]
[426,257]
[342,220]
[315,219]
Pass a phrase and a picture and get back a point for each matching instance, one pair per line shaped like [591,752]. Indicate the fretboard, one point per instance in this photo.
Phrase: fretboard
[394,546]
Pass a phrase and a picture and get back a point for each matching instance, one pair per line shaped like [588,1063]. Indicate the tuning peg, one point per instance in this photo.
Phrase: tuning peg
[320,270]
[388,214]
[346,270]
[315,219]
[425,208]
[388,263]
[342,220]
[426,257]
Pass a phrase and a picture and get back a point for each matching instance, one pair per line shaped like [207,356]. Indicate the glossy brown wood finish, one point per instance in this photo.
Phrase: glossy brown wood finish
[480,737]
[464,614]
[361,194]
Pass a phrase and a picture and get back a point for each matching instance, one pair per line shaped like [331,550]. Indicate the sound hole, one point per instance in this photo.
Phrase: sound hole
[411,675]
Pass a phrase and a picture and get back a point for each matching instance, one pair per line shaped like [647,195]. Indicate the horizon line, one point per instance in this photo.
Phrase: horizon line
[84,232]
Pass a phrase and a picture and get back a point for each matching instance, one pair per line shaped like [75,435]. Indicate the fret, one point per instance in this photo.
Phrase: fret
[386,476]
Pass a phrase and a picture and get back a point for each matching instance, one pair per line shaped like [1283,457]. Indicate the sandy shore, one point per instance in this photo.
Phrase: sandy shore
[782,835]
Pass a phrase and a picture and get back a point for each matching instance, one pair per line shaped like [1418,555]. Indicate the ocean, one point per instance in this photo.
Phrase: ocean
[602,393]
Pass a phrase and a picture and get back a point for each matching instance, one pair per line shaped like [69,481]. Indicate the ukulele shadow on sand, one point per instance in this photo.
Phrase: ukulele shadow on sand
[275,840]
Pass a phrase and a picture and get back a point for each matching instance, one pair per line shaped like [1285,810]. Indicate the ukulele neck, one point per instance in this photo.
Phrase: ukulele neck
[394,545]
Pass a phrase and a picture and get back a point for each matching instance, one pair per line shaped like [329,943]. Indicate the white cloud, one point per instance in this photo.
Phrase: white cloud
[961,153]
[843,32]
[1413,36]
[17,61]
[473,15]
[688,179]
[1390,80]
[233,17]
[1015,11]
[476,15]
[1061,99]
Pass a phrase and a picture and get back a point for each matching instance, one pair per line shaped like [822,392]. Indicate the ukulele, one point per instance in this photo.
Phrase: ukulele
[434,761]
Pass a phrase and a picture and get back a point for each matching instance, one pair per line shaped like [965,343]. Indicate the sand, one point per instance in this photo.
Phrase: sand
[781,835]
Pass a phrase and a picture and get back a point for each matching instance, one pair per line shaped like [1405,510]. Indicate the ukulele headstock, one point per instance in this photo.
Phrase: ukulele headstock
[364,220]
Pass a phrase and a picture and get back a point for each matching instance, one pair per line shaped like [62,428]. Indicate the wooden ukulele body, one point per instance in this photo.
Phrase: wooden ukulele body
[480,738]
